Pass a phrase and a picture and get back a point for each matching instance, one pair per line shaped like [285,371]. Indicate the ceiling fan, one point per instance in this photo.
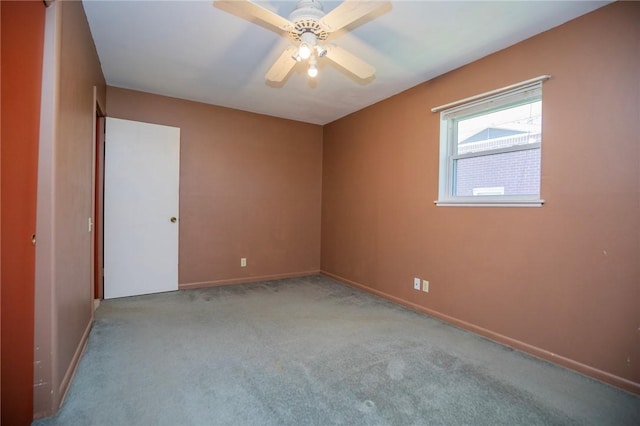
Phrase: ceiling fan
[308,27]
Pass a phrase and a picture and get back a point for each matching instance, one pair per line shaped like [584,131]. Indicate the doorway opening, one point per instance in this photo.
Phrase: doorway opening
[98,204]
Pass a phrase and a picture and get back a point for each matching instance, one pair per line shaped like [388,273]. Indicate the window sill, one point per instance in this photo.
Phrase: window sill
[488,203]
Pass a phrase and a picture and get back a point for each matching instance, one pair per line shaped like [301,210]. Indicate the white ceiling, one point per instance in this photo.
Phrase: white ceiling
[192,50]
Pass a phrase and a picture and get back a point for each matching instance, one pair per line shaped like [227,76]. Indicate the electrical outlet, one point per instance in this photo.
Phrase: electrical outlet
[425,286]
[243,262]
[416,283]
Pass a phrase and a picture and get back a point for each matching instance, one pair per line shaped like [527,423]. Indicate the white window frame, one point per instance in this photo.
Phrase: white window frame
[448,147]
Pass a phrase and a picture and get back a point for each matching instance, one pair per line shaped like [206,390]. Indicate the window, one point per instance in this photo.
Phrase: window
[490,150]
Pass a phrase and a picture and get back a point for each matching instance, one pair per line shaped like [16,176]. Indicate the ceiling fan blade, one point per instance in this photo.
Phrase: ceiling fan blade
[348,12]
[282,66]
[350,62]
[247,9]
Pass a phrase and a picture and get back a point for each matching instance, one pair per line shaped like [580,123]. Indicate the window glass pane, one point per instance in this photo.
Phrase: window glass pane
[510,173]
[519,125]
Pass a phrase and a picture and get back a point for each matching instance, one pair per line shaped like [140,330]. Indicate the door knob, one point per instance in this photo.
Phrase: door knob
[173,220]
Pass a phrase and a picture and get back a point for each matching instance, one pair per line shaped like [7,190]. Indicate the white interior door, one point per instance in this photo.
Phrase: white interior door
[142,168]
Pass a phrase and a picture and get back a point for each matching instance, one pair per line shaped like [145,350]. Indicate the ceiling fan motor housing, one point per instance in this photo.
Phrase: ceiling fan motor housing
[305,19]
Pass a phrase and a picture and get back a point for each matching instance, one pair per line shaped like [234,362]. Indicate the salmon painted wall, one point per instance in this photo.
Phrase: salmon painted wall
[561,281]
[250,186]
[22,45]
[80,71]
[64,280]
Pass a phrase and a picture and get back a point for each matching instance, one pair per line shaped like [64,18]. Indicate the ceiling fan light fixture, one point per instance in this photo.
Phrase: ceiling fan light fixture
[320,51]
[308,42]
[312,71]
[304,51]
